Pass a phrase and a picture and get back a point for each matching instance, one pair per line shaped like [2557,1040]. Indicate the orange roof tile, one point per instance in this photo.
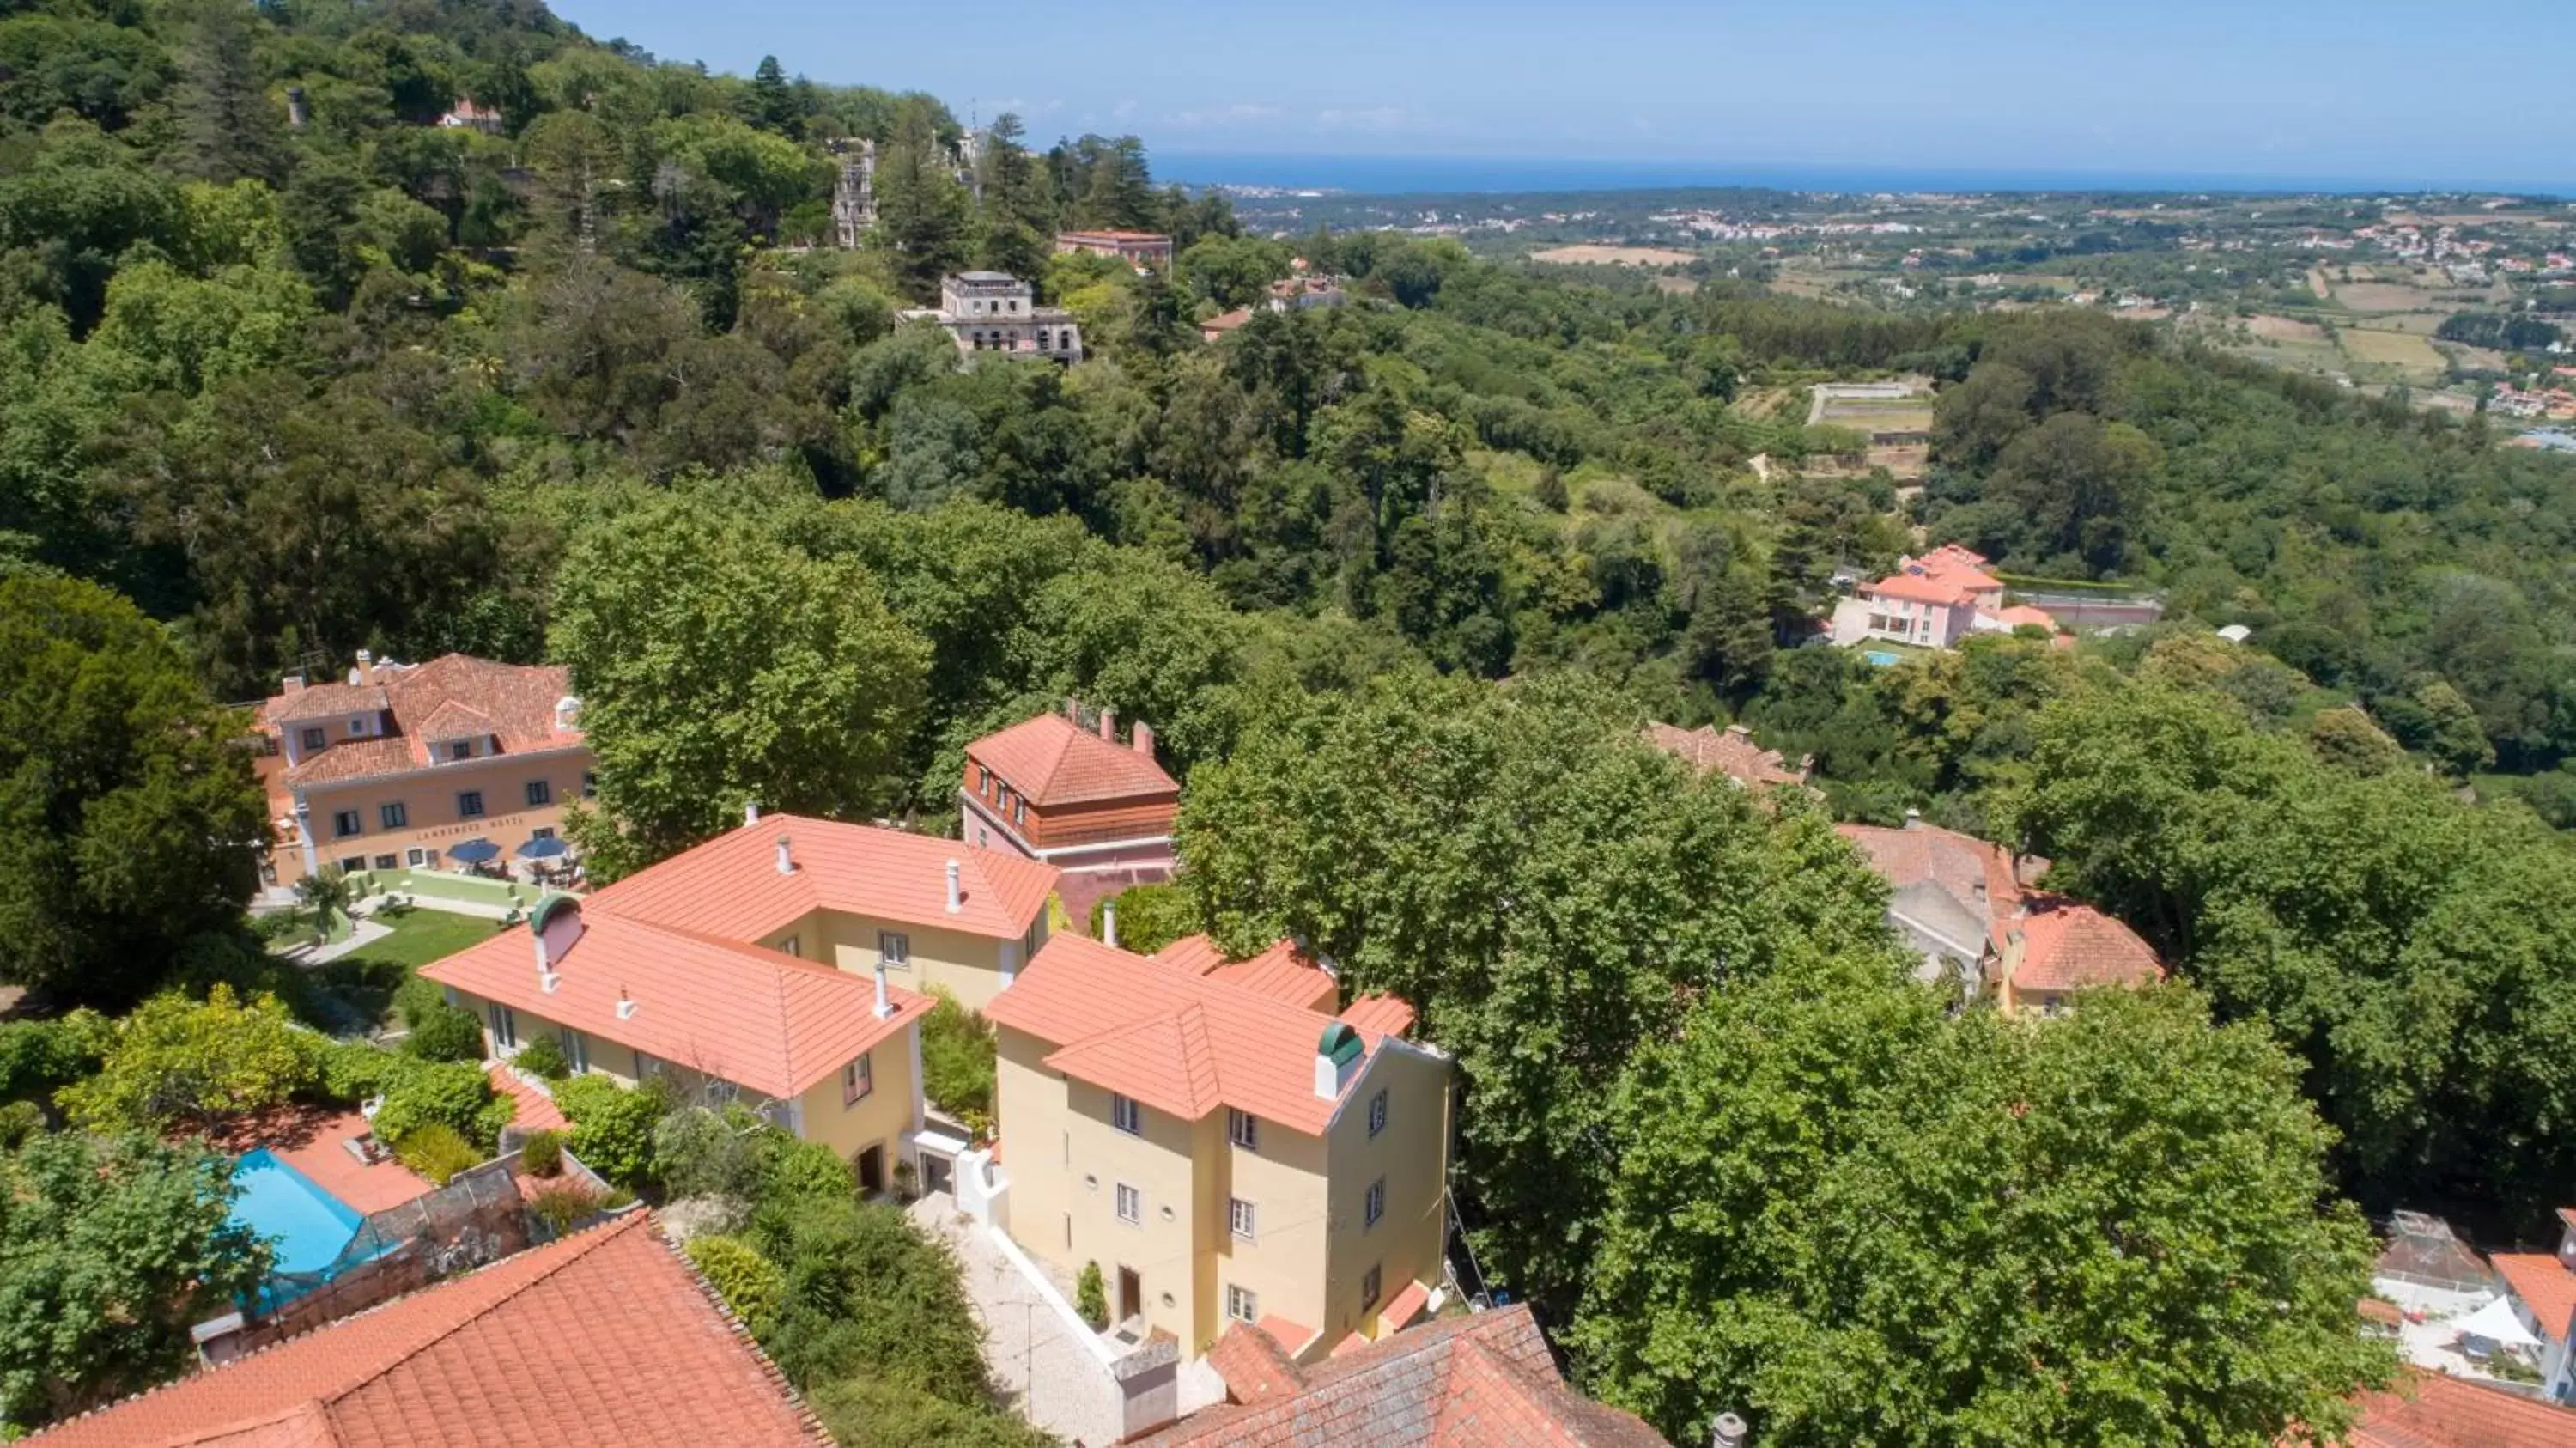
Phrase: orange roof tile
[1960,864]
[1278,972]
[2545,1286]
[1730,751]
[1385,1014]
[764,1020]
[2022,613]
[1259,1365]
[730,886]
[606,1337]
[1294,1337]
[515,704]
[1408,1304]
[2066,945]
[1054,761]
[1462,1382]
[536,1110]
[1180,1043]
[2434,1410]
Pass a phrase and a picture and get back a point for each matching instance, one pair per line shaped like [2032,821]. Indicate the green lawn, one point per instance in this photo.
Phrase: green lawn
[367,979]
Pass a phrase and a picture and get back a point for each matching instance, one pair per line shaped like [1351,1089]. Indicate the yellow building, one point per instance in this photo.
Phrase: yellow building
[1221,1143]
[786,964]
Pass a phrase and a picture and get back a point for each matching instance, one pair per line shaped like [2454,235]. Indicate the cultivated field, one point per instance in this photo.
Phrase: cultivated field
[1588,254]
[2403,350]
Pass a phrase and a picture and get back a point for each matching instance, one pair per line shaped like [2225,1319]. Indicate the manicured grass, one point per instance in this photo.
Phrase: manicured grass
[366,981]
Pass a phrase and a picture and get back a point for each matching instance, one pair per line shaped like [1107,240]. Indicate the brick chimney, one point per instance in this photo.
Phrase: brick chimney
[1144,738]
[1109,725]
[366,667]
[293,684]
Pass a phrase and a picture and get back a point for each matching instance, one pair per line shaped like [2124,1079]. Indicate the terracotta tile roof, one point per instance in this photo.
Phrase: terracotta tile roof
[2022,613]
[603,1338]
[1054,761]
[730,886]
[2545,1286]
[1295,1337]
[515,703]
[1278,972]
[1257,1366]
[1408,1304]
[536,1110]
[767,1021]
[1730,751]
[1918,590]
[2434,1410]
[2066,945]
[1959,864]
[1180,1043]
[1224,322]
[1384,1014]
[1462,1382]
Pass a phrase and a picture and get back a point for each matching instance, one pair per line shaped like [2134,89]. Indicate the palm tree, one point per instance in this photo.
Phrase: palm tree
[326,893]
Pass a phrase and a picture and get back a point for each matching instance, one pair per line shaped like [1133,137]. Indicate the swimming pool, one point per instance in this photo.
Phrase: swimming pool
[1881,659]
[309,1226]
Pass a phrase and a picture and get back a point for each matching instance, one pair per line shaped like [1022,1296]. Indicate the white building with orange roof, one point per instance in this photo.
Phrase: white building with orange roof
[1932,602]
[1222,1143]
[785,964]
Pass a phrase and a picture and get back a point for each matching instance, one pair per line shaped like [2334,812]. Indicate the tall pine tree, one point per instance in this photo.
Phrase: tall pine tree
[228,128]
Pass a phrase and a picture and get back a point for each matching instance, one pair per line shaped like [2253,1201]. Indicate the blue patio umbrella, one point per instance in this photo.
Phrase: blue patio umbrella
[475,851]
[544,847]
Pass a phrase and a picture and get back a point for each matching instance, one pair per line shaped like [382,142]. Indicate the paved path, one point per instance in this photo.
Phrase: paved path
[362,932]
[1054,1378]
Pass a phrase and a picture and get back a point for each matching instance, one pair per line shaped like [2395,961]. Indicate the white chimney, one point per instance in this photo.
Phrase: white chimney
[956,902]
[1914,819]
[885,1007]
[1729,1431]
[547,980]
[294,683]
[625,1005]
[1109,725]
[1109,921]
[786,859]
[1338,1057]
[366,667]
[750,812]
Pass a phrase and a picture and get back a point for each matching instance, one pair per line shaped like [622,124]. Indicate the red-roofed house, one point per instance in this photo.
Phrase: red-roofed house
[605,1337]
[1932,602]
[1052,791]
[1729,751]
[1136,248]
[1461,1382]
[1220,1143]
[2543,1287]
[782,962]
[2435,1410]
[391,767]
[1961,902]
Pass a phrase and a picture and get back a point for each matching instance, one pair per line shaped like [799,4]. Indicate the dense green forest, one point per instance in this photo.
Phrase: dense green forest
[288,369]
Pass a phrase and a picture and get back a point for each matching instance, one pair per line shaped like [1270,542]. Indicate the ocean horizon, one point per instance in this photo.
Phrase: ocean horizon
[1467,175]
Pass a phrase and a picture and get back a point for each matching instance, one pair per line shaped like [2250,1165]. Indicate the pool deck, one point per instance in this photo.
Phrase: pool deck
[309,1139]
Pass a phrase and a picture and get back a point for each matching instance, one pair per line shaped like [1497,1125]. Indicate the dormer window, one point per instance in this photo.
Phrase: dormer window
[360,726]
[456,750]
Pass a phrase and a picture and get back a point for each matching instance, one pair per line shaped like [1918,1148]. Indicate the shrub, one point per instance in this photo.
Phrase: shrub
[352,1071]
[541,1155]
[19,1121]
[957,1055]
[750,1284]
[38,1058]
[869,1294]
[612,1128]
[563,1204]
[543,1058]
[446,1033]
[175,1059]
[864,1412]
[1149,916]
[707,1152]
[1091,1297]
[807,1169]
[418,998]
[453,1094]
[436,1150]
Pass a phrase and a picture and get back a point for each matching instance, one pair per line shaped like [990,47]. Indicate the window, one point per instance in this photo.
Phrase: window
[1377,1113]
[1020,810]
[460,749]
[589,783]
[1370,1282]
[576,1049]
[858,1079]
[345,822]
[1241,1305]
[315,736]
[792,945]
[646,1067]
[505,1026]
[1131,1204]
[358,726]
[983,781]
[1124,1115]
[416,858]
[1241,1215]
[543,832]
[393,816]
[469,804]
[1375,1206]
[351,864]
[387,862]
[540,794]
[1243,1129]
[895,949]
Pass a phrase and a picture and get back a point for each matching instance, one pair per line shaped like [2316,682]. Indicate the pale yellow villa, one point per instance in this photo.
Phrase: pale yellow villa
[1222,1143]
[785,963]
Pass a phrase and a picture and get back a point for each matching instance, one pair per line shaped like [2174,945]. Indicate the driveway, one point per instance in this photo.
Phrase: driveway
[1046,1362]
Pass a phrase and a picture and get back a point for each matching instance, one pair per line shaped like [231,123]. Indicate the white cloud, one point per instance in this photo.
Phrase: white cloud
[1242,113]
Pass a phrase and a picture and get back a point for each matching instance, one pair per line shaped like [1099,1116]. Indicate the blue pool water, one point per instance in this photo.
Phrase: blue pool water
[1880,659]
[308,1225]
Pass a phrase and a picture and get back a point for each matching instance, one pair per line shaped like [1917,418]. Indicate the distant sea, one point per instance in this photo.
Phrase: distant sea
[1440,175]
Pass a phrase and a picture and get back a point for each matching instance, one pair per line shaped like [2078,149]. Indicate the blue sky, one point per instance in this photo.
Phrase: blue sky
[2360,90]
